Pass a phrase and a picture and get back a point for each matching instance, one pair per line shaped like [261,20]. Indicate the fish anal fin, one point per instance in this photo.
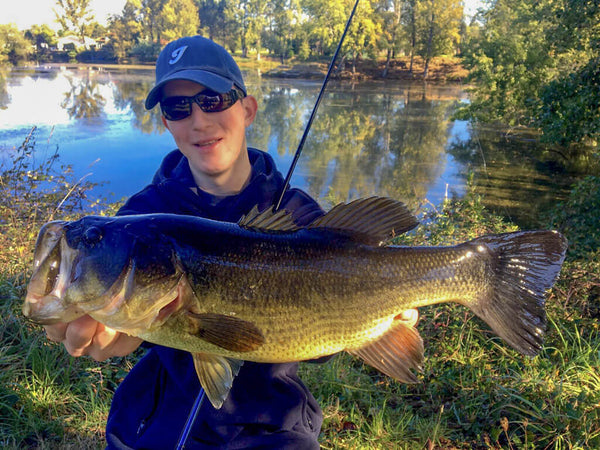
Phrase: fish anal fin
[216,374]
[371,221]
[228,332]
[396,353]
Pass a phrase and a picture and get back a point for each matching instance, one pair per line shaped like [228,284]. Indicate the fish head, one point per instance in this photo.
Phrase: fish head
[118,270]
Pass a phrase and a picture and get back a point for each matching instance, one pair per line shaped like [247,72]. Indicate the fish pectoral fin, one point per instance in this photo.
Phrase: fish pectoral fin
[228,332]
[396,353]
[216,374]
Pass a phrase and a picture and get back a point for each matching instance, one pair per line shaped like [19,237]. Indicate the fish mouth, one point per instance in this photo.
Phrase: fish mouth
[53,266]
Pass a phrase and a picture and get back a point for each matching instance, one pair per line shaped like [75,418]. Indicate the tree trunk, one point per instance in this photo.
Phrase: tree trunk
[429,45]
[387,63]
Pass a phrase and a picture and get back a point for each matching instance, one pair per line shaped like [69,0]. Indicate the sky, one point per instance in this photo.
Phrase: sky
[25,13]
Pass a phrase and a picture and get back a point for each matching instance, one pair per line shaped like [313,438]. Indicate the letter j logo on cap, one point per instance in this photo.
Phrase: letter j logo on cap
[177,54]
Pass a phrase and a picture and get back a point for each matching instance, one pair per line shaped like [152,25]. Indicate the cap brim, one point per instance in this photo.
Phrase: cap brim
[209,80]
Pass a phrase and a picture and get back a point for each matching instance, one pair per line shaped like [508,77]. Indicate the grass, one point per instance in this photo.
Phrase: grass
[474,391]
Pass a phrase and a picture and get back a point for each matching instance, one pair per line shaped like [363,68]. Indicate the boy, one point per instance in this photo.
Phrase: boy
[212,174]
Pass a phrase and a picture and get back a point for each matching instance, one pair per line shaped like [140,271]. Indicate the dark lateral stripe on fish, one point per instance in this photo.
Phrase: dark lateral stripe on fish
[525,265]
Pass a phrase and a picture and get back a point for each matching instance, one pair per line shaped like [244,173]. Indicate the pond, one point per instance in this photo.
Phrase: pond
[371,138]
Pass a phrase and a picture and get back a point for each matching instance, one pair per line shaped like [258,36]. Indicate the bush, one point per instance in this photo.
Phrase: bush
[146,51]
[32,192]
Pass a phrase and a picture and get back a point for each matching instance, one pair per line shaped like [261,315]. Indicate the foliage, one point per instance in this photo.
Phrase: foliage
[438,23]
[179,18]
[535,63]
[577,217]
[570,107]
[14,48]
[145,51]
[41,35]
[34,189]
[74,16]
[509,62]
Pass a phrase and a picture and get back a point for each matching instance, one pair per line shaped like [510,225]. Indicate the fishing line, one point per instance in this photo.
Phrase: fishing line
[198,403]
[314,111]
[190,420]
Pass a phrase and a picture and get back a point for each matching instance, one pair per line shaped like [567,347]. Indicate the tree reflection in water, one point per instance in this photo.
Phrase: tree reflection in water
[83,101]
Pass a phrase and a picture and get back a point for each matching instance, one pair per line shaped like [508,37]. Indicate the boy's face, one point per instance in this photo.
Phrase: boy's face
[214,143]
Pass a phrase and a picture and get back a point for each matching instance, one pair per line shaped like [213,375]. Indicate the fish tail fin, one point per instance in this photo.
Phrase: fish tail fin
[523,265]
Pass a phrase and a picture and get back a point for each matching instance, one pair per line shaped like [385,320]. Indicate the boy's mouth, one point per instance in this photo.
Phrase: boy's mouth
[206,143]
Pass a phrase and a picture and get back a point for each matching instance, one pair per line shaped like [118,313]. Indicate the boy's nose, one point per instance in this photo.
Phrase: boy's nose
[199,117]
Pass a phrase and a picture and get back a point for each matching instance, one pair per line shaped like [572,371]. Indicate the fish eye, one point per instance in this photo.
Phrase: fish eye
[92,235]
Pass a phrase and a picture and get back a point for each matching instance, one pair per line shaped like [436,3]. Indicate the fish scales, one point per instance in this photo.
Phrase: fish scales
[266,290]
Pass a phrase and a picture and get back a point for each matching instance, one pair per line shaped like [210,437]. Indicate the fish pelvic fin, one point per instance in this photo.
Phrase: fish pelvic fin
[216,374]
[524,265]
[396,353]
[228,332]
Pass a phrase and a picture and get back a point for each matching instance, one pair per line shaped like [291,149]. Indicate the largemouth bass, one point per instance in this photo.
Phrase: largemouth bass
[266,290]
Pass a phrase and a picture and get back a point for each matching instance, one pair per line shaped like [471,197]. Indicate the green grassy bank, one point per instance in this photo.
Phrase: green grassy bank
[475,392]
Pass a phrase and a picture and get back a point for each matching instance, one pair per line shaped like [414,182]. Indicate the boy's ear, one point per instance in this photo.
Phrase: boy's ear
[164,121]
[250,106]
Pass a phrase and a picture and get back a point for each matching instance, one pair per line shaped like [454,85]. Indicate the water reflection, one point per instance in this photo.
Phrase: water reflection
[83,100]
[131,93]
[391,139]
[517,177]
[4,97]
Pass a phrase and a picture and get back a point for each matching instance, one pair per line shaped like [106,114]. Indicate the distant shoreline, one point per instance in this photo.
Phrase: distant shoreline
[441,69]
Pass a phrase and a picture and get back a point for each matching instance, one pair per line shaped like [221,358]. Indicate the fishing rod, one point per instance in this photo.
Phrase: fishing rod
[314,112]
[200,398]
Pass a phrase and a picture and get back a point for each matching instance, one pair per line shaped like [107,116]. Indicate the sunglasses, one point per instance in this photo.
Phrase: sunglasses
[180,107]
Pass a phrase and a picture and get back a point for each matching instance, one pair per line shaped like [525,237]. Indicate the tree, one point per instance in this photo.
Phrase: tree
[74,16]
[14,48]
[510,61]
[439,28]
[284,18]
[213,22]
[41,36]
[126,29]
[150,16]
[179,18]
[392,33]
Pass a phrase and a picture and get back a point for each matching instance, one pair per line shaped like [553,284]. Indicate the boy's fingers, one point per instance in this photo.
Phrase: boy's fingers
[79,335]
[56,332]
[410,317]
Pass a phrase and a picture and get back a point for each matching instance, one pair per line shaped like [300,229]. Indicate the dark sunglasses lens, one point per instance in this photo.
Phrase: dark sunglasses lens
[176,108]
[212,102]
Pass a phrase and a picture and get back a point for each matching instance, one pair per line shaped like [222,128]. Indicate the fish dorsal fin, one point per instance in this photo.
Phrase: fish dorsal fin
[372,220]
[216,374]
[268,220]
[396,353]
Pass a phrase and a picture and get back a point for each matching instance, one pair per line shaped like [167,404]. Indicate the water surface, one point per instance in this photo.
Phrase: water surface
[370,138]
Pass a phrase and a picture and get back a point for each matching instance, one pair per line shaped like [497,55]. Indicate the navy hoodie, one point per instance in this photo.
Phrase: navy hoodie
[268,406]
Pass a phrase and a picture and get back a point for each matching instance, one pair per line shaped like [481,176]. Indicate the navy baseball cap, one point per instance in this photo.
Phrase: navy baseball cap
[197,59]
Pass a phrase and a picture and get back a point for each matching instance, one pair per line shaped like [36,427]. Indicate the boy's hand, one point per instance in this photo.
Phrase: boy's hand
[86,336]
